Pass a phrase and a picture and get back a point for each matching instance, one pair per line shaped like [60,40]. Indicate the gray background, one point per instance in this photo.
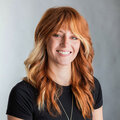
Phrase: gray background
[18,19]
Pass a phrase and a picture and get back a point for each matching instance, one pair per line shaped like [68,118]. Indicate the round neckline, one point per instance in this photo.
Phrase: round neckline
[65,88]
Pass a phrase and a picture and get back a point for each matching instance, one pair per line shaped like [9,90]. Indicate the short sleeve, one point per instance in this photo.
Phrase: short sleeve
[98,97]
[19,103]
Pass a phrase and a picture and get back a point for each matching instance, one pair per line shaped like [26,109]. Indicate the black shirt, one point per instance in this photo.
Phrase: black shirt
[22,103]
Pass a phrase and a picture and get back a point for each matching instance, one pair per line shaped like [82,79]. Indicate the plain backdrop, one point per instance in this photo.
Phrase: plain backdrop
[18,20]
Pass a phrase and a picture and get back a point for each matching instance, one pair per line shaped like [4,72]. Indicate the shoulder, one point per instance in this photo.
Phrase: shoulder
[97,83]
[24,86]
[23,89]
[98,87]
[97,94]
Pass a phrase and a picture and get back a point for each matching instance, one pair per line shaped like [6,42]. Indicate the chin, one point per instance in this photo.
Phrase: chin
[65,63]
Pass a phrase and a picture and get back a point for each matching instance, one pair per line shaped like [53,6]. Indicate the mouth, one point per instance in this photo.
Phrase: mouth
[64,52]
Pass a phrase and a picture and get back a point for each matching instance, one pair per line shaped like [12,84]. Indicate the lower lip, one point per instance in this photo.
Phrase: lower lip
[64,55]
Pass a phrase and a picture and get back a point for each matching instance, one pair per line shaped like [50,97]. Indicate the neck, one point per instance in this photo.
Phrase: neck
[61,74]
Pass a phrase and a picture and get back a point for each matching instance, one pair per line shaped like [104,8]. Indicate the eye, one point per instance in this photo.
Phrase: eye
[56,35]
[74,38]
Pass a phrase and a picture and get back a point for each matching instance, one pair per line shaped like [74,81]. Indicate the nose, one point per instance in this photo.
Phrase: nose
[64,41]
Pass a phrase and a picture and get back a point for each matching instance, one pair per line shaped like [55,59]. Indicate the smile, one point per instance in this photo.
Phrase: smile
[64,52]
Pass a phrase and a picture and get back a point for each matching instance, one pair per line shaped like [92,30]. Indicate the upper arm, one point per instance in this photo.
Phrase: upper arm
[9,117]
[98,114]
[97,94]
[19,104]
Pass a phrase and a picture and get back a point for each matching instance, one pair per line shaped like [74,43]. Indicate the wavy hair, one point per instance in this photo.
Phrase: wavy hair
[82,70]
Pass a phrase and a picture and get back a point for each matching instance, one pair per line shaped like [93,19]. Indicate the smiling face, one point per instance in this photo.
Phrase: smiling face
[62,47]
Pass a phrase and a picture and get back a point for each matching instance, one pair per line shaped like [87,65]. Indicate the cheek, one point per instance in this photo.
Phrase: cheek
[51,47]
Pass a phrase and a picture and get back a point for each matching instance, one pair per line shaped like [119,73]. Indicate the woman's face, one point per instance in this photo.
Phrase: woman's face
[62,47]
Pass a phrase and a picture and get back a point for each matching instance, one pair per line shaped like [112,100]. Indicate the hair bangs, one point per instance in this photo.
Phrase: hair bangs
[63,21]
[68,20]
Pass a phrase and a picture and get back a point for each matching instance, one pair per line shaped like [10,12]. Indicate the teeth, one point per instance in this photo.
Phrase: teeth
[65,53]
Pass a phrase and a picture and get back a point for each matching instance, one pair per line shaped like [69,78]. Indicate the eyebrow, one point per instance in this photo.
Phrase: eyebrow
[63,32]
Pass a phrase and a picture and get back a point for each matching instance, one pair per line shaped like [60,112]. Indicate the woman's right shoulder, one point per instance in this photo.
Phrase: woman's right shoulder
[23,87]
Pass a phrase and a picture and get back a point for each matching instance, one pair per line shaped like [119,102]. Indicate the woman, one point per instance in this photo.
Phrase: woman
[60,84]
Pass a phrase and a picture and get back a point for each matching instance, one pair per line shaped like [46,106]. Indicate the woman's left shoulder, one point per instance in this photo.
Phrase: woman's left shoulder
[97,83]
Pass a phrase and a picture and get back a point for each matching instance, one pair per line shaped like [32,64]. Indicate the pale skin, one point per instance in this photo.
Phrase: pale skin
[60,64]
[98,114]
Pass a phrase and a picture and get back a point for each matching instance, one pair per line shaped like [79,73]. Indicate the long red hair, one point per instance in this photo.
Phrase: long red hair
[82,70]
